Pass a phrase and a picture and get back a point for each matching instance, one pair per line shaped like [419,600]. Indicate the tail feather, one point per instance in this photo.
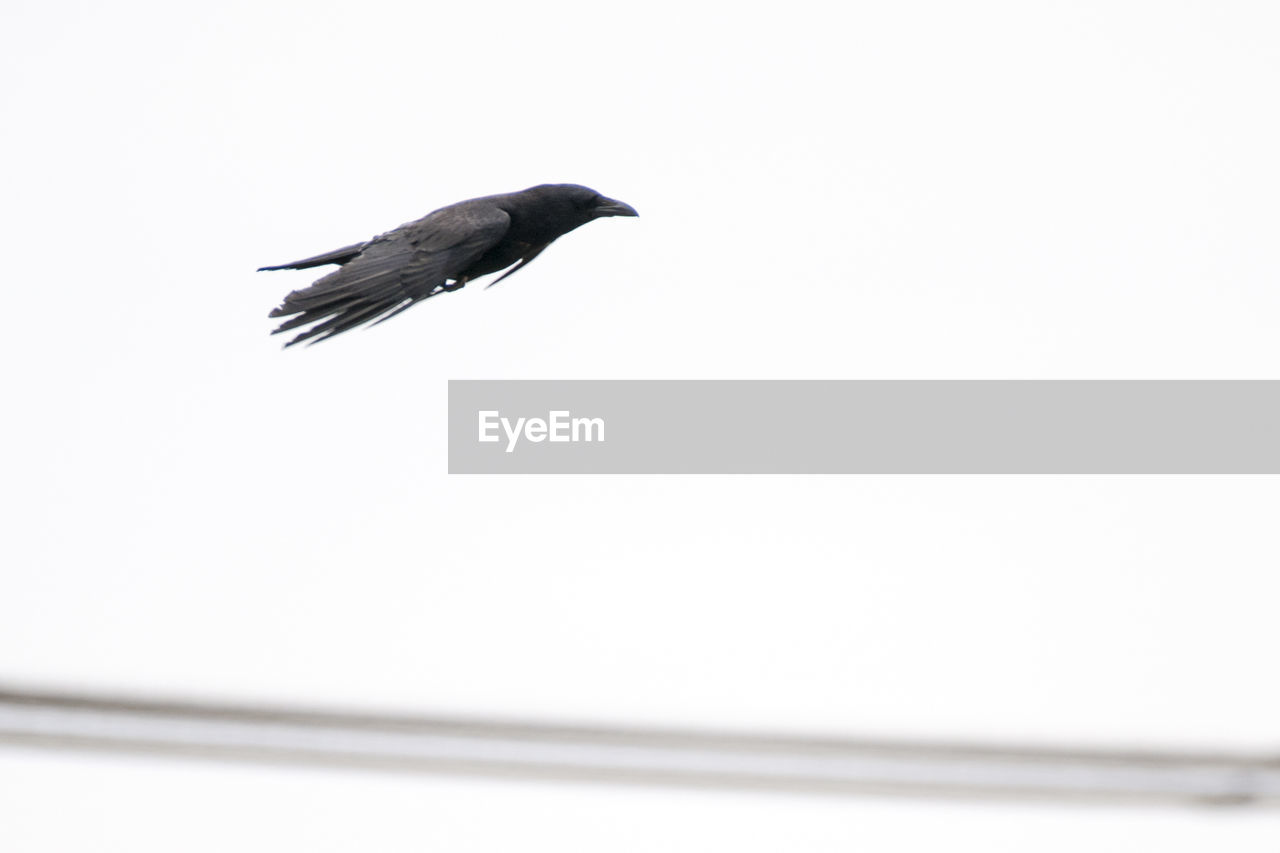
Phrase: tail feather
[388,276]
[387,317]
[353,316]
[342,313]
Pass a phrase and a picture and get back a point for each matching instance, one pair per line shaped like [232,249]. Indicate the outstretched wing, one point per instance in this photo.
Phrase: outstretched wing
[394,271]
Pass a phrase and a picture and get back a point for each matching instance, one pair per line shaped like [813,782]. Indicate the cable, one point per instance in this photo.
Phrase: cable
[473,746]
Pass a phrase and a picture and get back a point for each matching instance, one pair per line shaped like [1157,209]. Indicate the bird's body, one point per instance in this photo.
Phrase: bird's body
[440,252]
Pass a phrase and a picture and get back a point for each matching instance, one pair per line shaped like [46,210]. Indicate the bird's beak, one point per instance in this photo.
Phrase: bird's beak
[611,207]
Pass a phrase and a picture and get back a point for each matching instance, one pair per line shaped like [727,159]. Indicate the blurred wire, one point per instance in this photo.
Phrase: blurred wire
[629,755]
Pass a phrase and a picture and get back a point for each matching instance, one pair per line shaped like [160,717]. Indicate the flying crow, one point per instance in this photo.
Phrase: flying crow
[440,252]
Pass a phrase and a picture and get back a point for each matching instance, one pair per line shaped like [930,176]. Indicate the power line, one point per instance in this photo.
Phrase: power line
[651,756]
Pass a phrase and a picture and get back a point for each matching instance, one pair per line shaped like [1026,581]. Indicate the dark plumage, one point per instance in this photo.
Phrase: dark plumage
[440,252]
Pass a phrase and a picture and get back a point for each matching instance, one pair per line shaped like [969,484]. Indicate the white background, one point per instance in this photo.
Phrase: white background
[905,190]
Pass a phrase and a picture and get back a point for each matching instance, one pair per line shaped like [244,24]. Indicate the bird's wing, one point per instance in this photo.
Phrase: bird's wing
[394,271]
[337,256]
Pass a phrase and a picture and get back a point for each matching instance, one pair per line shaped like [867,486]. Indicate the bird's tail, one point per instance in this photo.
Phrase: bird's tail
[339,302]
[333,317]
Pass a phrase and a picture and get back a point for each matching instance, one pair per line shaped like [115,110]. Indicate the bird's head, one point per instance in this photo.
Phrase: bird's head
[579,204]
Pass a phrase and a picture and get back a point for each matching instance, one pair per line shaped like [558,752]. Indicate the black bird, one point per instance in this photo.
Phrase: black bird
[440,252]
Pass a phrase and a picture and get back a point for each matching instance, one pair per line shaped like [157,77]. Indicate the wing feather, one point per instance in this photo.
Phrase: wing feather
[394,271]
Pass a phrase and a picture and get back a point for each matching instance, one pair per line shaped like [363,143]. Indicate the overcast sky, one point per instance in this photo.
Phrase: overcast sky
[880,190]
